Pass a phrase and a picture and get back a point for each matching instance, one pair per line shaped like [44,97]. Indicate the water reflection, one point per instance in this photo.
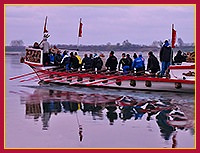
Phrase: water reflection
[170,116]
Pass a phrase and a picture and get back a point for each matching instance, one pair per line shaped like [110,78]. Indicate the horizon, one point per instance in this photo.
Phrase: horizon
[114,24]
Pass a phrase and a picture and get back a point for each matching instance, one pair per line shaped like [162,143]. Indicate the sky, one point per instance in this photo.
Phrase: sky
[102,24]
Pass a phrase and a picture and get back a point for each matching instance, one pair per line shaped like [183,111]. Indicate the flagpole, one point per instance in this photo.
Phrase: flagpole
[45,25]
[79,32]
[173,36]
[173,40]
[77,43]
[45,31]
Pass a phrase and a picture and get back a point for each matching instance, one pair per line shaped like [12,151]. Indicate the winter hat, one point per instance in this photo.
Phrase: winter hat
[112,52]
[166,43]
[95,55]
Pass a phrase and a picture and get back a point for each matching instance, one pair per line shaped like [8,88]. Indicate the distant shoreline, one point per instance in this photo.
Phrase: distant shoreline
[13,53]
[16,50]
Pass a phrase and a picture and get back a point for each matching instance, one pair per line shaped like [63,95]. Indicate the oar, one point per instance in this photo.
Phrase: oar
[67,76]
[43,75]
[81,74]
[123,78]
[130,77]
[96,76]
[102,80]
[34,72]
[32,78]
[79,82]
[62,75]
[23,75]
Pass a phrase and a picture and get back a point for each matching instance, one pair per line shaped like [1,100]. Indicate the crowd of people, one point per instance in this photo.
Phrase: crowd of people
[99,63]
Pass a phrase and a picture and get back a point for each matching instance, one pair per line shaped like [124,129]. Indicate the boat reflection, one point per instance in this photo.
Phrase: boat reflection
[168,115]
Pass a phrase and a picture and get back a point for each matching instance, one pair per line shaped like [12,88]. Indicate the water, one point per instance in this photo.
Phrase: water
[61,117]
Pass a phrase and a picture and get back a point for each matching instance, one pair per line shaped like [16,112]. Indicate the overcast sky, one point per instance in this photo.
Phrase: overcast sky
[139,24]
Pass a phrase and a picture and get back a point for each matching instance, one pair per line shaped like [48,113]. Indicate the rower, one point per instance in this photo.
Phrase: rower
[153,64]
[138,65]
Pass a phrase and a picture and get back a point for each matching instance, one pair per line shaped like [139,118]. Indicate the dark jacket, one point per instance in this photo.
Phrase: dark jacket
[130,61]
[153,64]
[66,60]
[57,59]
[97,63]
[166,54]
[179,58]
[112,63]
[87,62]
[123,62]
[74,62]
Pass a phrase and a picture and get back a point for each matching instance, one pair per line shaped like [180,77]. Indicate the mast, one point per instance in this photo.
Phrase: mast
[173,40]
[173,36]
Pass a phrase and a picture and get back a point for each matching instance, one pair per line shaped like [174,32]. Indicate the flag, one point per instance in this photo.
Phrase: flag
[80,29]
[173,36]
[45,26]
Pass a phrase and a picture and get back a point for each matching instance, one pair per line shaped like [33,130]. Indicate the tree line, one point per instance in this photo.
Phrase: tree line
[18,45]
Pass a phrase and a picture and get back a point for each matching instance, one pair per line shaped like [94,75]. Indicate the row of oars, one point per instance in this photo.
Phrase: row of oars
[56,74]
[91,77]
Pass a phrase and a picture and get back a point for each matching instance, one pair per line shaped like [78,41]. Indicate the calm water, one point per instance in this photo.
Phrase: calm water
[62,117]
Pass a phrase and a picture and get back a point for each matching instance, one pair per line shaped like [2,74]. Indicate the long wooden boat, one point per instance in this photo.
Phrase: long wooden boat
[181,77]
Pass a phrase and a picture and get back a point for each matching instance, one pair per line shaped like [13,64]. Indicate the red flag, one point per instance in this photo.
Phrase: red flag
[80,29]
[45,26]
[173,36]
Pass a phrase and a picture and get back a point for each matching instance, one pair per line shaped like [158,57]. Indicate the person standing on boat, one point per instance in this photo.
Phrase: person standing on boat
[153,64]
[45,46]
[124,63]
[165,57]
[111,62]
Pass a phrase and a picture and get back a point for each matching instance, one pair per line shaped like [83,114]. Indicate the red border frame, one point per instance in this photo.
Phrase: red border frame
[2,60]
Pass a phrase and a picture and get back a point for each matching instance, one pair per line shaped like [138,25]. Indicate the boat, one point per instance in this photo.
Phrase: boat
[181,78]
